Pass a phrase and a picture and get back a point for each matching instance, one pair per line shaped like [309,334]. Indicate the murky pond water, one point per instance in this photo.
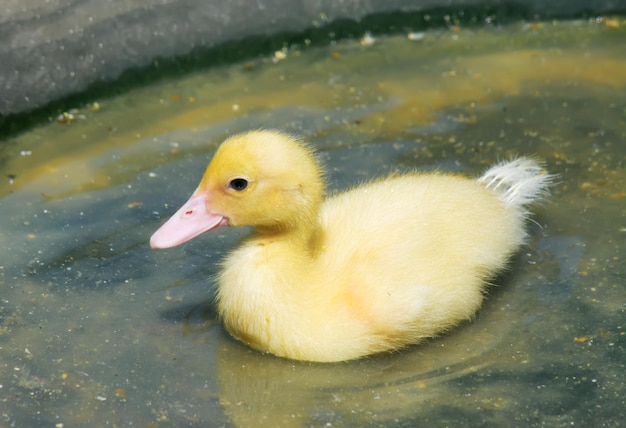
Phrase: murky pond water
[98,330]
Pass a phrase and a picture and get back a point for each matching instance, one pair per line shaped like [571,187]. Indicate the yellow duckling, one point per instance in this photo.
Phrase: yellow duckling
[376,268]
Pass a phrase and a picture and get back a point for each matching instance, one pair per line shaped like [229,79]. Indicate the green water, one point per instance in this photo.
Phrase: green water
[98,330]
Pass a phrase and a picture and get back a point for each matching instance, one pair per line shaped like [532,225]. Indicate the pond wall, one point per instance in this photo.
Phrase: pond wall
[52,49]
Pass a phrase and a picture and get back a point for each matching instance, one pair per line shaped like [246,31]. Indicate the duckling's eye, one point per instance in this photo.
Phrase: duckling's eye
[238,184]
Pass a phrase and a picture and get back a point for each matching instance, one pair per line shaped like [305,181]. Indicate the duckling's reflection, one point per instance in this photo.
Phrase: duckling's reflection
[263,390]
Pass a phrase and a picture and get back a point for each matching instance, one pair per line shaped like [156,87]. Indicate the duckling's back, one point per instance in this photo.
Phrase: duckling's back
[411,254]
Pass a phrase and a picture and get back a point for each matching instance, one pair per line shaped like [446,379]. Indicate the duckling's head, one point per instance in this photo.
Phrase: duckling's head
[265,179]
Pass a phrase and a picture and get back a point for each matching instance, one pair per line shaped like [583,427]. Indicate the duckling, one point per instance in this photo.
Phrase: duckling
[373,269]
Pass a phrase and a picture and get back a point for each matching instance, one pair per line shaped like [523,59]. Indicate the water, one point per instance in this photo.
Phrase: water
[98,330]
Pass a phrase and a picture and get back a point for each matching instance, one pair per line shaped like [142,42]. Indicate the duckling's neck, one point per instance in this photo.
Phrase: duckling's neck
[303,239]
[299,231]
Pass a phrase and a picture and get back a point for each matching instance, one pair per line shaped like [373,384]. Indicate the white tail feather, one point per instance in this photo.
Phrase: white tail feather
[519,182]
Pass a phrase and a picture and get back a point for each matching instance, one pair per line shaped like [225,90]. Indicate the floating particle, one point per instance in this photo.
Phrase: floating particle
[415,36]
[367,39]
[279,56]
[66,117]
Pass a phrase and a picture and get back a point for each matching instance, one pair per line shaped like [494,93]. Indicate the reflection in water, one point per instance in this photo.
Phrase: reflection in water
[97,329]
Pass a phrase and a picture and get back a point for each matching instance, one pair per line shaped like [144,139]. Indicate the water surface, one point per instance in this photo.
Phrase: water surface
[98,330]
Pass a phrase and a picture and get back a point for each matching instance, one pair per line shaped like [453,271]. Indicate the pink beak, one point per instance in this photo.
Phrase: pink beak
[192,219]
